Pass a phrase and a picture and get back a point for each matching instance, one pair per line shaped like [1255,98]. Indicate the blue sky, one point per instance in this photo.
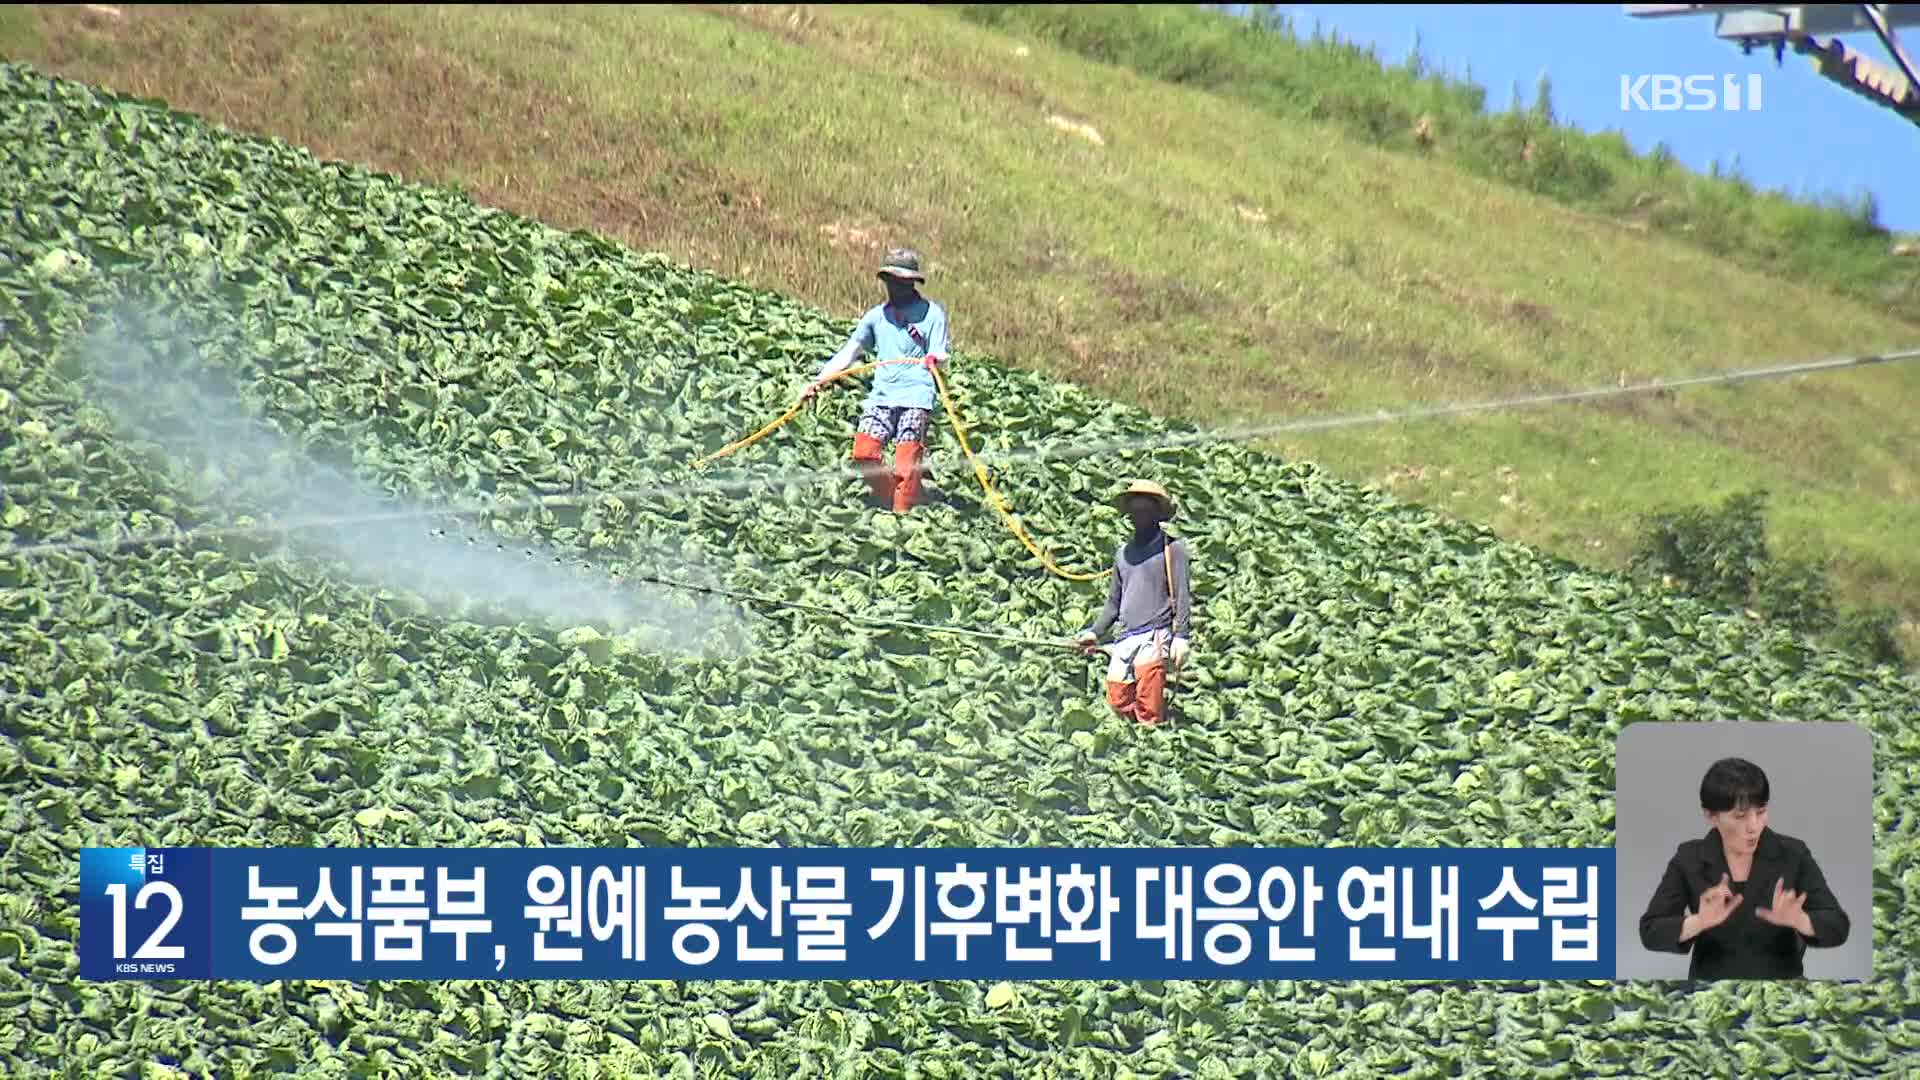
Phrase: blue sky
[1811,135]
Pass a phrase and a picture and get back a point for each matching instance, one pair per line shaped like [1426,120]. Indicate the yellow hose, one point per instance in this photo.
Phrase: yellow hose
[959,429]
[999,504]
[701,463]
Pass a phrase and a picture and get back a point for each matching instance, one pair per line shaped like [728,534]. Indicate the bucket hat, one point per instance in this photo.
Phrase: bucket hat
[902,263]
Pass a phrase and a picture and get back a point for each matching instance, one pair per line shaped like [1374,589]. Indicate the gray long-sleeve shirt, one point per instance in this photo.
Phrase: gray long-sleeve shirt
[1138,598]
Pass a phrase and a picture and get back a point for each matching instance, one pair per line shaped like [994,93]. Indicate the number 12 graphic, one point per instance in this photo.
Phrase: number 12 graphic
[151,949]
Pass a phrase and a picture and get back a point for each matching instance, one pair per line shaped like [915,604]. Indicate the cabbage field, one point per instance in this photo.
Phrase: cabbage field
[1365,672]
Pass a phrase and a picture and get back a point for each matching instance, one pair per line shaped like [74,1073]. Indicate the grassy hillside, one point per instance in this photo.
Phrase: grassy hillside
[1204,260]
[1368,673]
[1298,75]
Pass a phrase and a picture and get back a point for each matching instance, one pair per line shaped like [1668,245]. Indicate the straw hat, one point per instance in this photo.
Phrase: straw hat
[1151,490]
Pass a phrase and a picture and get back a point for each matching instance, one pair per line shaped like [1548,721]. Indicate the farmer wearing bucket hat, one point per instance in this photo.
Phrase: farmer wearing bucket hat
[1152,599]
[900,405]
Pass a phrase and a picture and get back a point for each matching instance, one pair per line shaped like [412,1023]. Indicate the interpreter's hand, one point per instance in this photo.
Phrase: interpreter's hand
[1716,904]
[1788,909]
[813,388]
[1088,643]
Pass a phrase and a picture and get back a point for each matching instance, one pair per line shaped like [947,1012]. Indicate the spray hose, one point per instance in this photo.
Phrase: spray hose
[761,600]
[959,429]
[764,600]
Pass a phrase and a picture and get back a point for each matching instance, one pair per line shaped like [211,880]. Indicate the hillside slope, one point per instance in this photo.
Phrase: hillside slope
[1204,261]
[1367,673]
[1270,60]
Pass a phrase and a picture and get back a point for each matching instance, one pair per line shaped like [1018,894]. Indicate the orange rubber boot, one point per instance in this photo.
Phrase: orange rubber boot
[906,475]
[866,455]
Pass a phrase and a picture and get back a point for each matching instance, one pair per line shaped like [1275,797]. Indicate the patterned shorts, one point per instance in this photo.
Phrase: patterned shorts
[1135,651]
[896,423]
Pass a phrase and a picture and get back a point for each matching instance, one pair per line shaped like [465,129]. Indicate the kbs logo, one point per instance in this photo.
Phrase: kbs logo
[1689,93]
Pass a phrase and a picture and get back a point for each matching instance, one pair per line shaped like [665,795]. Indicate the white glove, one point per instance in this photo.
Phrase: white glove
[1181,650]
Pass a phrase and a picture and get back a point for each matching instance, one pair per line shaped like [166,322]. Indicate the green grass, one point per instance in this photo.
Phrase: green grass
[19,29]
[1301,75]
[1212,261]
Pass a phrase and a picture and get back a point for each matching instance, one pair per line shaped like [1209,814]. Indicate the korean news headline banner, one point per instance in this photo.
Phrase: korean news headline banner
[854,913]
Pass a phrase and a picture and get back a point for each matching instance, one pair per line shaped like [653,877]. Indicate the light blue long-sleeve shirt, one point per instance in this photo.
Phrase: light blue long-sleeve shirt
[915,330]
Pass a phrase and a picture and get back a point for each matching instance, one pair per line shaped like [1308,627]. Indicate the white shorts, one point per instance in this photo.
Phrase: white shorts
[1133,650]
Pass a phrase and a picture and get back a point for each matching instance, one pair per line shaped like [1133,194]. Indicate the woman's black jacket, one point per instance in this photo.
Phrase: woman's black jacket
[1744,946]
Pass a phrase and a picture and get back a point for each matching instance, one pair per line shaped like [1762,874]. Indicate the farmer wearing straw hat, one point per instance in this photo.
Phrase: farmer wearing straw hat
[1152,599]
[900,405]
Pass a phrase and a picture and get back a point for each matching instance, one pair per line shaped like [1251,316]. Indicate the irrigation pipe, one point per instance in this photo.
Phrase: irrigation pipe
[1062,452]
[764,600]
[849,617]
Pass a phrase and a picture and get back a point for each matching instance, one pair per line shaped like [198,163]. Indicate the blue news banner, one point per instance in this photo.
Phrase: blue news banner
[856,913]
